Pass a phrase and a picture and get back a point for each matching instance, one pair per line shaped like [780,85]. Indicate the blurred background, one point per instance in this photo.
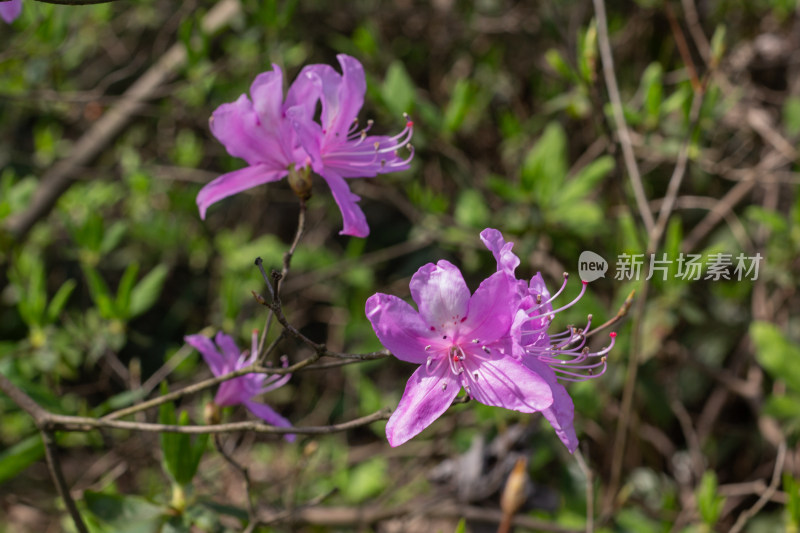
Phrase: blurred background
[105,264]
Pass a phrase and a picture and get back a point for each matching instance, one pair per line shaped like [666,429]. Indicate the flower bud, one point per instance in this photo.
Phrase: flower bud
[514,492]
[300,181]
[211,413]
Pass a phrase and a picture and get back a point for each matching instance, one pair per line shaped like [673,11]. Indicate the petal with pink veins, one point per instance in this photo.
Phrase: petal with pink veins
[442,296]
[235,182]
[399,327]
[426,397]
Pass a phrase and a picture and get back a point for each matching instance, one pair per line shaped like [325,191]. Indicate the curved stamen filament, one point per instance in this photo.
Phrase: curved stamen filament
[539,303]
[570,304]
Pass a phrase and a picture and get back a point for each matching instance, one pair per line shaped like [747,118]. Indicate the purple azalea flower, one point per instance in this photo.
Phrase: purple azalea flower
[10,10]
[276,136]
[558,356]
[459,340]
[226,357]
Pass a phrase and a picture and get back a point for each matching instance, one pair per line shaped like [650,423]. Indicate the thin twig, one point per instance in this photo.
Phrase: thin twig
[54,466]
[767,495]
[619,117]
[623,311]
[251,511]
[205,384]
[626,405]
[683,48]
[287,261]
[84,424]
[698,35]
[678,173]
[589,490]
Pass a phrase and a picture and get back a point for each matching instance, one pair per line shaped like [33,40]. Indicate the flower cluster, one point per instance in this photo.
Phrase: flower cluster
[494,344]
[280,137]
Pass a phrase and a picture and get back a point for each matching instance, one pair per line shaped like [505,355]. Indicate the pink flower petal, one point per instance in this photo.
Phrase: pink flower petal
[230,351]
[267,93]
[399,327]
[309,135]
[506,259]
[441,295]
[268,415]
[235,182]
[10,10]
[426,397]
[490,310]
[238,127]
[506,382]
[562,413]
[342,95]
[306,89]
[355,223]
[210,354]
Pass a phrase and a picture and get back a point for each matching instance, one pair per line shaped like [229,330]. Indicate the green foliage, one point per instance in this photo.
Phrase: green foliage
[777,354]
[398,90]
[709,503]
[123,514]
[181,452]
[20,456]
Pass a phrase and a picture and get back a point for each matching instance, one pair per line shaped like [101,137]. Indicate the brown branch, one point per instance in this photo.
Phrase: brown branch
[41,419]
[287,261]
[767,494]
[623,311]
[80,423]
[25,402]
[619,117]
[54,466]
[251,511]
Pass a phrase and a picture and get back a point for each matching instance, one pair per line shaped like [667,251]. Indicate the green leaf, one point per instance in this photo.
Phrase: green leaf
[126,514]
[181,456]
[792,489]
[471,209]
[708,503]
[587,60]
[775,221]
[146,292]
[791,115]
[99,292]
[545,166]
[653,90]
[112,236]
[124,289]
[559,64]
[20,456]
[585,180]
[366,480]
[398,89]
[462,526]
[60,299]
[776,353]
[718,44]
[459,105]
